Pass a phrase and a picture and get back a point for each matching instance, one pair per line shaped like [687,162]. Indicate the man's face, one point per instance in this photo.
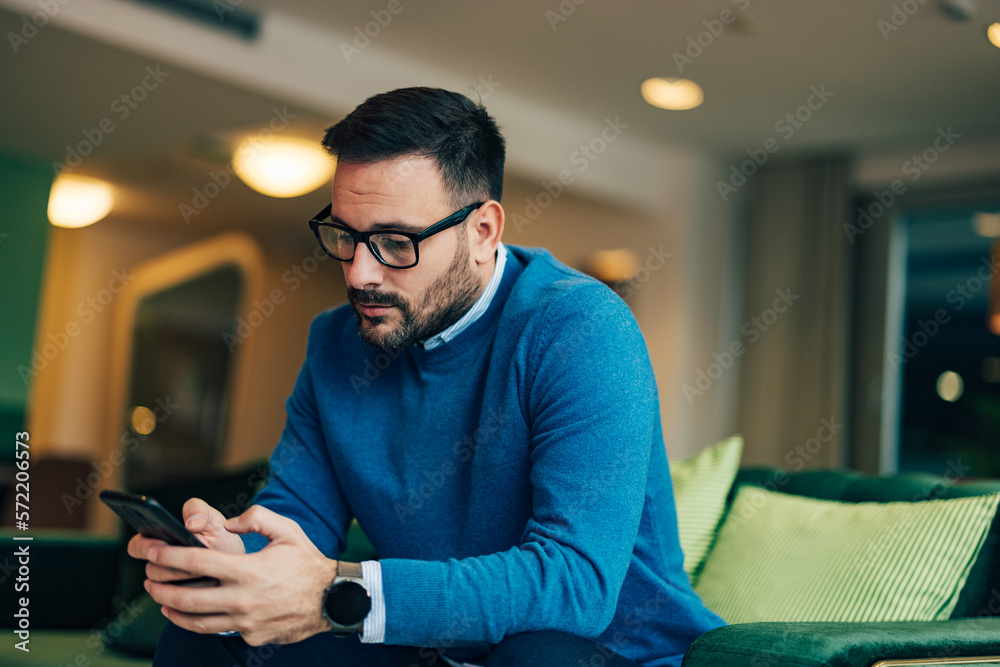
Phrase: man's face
[398,307]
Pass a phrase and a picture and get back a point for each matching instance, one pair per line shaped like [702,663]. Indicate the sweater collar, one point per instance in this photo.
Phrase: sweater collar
[481,305]
[471,335]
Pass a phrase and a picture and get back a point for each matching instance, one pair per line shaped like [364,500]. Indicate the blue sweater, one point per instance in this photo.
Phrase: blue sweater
[513,479]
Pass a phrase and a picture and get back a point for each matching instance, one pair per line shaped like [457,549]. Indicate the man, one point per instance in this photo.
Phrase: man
[507,463]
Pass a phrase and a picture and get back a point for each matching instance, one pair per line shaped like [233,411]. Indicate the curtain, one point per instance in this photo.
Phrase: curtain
[795,329]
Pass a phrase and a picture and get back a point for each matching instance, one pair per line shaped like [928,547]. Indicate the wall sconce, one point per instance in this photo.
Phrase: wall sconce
[78,201]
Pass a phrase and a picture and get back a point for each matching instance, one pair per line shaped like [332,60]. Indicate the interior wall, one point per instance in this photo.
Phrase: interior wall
[681,302]
[24,191]
[84,271]
[685,303]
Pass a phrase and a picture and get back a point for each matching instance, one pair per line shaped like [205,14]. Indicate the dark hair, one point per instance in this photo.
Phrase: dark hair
[457,133]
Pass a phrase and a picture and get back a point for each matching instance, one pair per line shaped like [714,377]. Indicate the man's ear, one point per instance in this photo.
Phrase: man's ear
[486,230]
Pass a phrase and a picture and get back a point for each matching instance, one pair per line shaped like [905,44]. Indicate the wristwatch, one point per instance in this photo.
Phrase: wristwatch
[346,601]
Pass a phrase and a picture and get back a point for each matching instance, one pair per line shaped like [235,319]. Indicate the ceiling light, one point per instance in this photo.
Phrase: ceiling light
[993,34]
[78,201]
[282,167]
[675,94]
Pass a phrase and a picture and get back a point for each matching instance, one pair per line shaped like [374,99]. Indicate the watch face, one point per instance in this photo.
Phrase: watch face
[347,603]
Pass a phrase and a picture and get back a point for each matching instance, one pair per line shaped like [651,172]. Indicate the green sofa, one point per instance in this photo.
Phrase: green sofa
[972,631]
[88,608]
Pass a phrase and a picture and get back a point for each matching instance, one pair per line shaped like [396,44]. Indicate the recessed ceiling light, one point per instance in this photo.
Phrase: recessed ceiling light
[282,167]
[993,34]
[78,201]
[674,94]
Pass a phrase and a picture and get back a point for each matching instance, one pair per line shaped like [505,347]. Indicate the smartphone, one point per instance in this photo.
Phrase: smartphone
[151,519]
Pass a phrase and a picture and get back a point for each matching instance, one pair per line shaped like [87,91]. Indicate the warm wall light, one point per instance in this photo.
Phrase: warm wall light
[993,34]
[675,94]
[78,201]
[986,224]
[142,420]
[282,167]
[613,266]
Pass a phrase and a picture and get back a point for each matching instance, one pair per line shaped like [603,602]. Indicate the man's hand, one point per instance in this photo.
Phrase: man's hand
[206,523]
[273,596]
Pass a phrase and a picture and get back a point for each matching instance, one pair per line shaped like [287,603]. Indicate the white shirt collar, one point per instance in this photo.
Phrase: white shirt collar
[478,308]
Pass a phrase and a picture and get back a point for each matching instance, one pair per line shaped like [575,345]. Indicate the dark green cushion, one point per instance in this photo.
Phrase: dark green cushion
[841,644]
[822,484]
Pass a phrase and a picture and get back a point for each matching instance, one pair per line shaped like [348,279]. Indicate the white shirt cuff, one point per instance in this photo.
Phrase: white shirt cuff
[373,630]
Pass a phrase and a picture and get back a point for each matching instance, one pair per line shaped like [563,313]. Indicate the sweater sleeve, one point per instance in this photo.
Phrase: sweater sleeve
[303,485]
[589,399]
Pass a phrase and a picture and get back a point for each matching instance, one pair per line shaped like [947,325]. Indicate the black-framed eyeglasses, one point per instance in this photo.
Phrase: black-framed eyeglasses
[395,249]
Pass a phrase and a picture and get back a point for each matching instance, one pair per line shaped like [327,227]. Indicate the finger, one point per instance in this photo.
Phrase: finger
[201,623]
[156,572]
[273,526]
[139,546]
[197,561]
[194,600]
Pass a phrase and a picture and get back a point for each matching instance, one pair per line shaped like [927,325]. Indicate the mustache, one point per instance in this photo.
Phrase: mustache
[373,297]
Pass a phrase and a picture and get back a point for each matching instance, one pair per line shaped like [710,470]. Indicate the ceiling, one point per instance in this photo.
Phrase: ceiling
[929,72]
[551,82]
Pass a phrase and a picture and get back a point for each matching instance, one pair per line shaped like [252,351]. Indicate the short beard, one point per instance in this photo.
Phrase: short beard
[444,303]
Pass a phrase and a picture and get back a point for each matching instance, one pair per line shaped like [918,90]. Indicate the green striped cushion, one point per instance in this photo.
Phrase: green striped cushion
[781,557]
[701,484]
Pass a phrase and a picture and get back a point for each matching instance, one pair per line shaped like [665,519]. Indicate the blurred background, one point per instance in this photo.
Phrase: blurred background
[806,238]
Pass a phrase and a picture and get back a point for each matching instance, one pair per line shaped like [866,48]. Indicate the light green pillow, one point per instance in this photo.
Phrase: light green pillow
[701,485]
[781,557]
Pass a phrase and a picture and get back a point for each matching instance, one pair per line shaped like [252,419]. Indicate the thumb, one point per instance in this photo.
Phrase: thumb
[199,516]
[258,519]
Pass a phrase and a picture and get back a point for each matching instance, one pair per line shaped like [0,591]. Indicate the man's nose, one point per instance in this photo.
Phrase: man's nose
[364,271]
